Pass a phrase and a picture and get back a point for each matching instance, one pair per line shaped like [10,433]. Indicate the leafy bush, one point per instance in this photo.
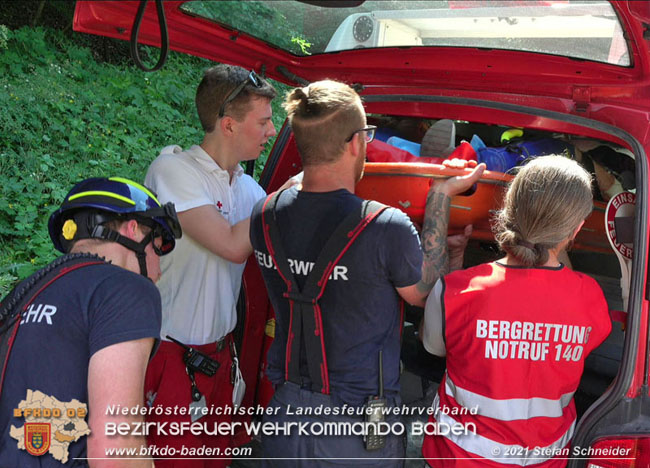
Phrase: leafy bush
[66,117]
[258,19]
[4,36]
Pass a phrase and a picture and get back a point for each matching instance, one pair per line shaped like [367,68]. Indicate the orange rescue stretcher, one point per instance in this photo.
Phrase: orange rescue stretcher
[405,186]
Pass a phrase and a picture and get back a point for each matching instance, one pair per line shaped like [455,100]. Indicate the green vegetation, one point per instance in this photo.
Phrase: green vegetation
[66,117]
[259,20]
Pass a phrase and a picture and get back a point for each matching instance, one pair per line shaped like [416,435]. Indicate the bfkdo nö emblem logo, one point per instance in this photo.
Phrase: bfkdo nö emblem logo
[37,438]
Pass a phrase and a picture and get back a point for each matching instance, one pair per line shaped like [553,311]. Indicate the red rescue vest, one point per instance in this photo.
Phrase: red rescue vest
[516,341]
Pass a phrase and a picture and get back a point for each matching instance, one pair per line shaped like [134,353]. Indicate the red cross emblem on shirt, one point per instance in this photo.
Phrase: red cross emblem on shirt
[219,204]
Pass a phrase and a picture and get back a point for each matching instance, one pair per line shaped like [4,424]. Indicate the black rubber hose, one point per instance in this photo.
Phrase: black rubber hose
[164,37]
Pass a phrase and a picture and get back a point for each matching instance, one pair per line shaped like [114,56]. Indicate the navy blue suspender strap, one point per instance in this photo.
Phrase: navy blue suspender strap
[305,314]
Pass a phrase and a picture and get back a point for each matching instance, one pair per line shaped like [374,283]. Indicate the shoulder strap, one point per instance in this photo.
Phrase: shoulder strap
[305,320]
[339,242]
[20,298]
[273,241]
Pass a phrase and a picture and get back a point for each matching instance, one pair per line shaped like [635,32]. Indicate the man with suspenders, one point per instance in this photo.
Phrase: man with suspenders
[336,267]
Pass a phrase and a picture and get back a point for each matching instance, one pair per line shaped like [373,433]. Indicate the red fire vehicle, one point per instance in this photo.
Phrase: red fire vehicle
[498,81]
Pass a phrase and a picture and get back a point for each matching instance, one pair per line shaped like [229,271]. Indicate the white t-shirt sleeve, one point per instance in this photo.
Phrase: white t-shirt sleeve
[432,333]
[175,181]
[259,192]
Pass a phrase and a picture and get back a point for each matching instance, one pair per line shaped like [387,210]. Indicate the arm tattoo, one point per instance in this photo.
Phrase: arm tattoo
[434,240]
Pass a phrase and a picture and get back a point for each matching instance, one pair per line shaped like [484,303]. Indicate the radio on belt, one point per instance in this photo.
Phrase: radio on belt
[375,414]
[196,361]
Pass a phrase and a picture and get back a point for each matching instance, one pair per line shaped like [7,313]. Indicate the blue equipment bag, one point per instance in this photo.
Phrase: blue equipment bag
[502,159]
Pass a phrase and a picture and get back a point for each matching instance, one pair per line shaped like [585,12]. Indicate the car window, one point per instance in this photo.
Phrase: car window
[587,30]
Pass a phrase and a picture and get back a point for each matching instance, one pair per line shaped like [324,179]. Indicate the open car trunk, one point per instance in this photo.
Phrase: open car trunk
[399,178]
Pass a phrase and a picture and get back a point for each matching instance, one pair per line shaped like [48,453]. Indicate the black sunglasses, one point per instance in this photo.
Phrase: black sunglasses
[165,245]
[167,214]
[370,133]
[167,242]
[252,78]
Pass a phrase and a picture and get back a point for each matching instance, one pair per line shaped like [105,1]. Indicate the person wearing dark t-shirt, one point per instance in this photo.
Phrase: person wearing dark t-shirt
[88,335]
[359,308]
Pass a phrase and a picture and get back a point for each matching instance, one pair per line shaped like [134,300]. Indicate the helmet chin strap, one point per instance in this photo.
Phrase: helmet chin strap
[142,261]
[102,232]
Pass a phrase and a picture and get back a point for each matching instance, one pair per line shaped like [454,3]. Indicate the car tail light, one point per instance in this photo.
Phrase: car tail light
[632,452]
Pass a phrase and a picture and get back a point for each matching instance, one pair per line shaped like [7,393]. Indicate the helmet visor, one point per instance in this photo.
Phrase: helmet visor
[164,223]
[166,215]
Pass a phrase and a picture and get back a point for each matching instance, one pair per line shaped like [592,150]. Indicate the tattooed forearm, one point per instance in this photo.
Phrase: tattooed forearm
[434,240]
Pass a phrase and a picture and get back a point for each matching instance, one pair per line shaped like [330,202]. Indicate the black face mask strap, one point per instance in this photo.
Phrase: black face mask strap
[102,232]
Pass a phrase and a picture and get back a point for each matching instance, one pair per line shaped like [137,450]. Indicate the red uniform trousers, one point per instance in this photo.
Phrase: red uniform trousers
[168,385]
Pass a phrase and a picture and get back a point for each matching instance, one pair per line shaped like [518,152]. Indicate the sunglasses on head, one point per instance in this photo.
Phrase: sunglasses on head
[252,78]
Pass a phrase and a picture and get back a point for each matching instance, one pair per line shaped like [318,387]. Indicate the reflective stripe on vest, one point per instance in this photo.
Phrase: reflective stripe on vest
[501,453]
[511,409]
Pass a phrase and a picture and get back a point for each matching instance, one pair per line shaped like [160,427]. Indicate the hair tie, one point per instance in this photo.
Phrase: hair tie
[527,244]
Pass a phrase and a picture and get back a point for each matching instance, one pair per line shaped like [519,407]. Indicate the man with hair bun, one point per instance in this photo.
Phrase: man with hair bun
[516,332]
[335,267]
